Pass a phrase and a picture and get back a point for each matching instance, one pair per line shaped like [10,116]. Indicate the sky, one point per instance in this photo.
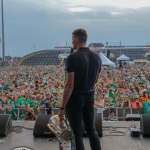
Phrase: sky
[34,25]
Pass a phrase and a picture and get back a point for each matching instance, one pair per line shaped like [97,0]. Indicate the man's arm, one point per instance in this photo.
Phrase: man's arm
[99,72]
[69,84]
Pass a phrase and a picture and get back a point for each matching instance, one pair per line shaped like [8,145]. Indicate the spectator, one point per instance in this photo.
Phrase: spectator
[29,114]
[126,102]
[117,104]
[111,94]
[112,116]
[4,103]
[145,97]
[27,100]
[15,81]
[108,103]
[99,102]
[136,104]
[47,104]
[11,112]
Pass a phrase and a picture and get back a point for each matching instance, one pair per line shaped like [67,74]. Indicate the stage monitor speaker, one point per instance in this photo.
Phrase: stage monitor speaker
[40,127]
[132,117]
[145,125]
[98,123]
[5,125]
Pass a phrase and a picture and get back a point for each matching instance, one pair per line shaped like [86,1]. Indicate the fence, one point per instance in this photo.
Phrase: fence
[120,112]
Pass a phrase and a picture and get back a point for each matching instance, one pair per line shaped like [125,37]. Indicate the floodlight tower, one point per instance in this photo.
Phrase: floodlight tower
[3,37]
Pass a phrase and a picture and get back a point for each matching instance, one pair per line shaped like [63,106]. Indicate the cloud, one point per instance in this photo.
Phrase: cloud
[80,9]
[112,3]
[115,13]
[46,23]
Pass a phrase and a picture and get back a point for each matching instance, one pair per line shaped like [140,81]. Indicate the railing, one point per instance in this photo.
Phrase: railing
[120,112]
[21,112]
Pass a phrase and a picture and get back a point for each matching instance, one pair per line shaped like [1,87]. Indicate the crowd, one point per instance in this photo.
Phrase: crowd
[38,89]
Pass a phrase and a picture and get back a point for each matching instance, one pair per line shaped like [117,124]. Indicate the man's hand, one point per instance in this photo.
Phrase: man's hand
[61,115]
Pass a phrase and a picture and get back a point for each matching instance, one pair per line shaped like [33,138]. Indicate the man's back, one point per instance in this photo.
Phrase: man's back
[82,69]
[85,64]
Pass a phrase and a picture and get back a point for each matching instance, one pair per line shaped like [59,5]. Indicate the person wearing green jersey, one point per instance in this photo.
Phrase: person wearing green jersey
[11,112]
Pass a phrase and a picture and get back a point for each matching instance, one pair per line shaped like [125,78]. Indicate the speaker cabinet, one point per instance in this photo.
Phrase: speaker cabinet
[145,125]
[5,125]
[132,117]
[40,127]
[98,123]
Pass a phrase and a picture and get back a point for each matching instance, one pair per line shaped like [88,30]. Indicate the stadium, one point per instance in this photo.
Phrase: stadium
[77,97]
[41,75]
[136,54]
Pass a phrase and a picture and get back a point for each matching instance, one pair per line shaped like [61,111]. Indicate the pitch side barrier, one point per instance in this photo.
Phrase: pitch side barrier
[119,112]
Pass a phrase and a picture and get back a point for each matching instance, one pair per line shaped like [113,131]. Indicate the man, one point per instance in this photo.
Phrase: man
[83,69]
[47,104]
[29,114]
[112,116]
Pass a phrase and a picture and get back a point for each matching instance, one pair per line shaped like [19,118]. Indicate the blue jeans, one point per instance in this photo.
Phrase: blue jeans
[80,109]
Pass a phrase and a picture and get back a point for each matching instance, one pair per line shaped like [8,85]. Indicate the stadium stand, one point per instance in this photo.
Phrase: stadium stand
[132,53]
[45,57]
[50,57]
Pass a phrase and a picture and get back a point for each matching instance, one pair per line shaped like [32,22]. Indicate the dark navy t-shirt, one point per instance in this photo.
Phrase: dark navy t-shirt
[85,64]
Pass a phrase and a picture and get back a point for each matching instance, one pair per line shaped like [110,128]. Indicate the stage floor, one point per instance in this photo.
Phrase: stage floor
[110,141]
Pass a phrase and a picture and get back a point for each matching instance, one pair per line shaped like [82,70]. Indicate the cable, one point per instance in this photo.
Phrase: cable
[19,129]
[113,127]
[113,131]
